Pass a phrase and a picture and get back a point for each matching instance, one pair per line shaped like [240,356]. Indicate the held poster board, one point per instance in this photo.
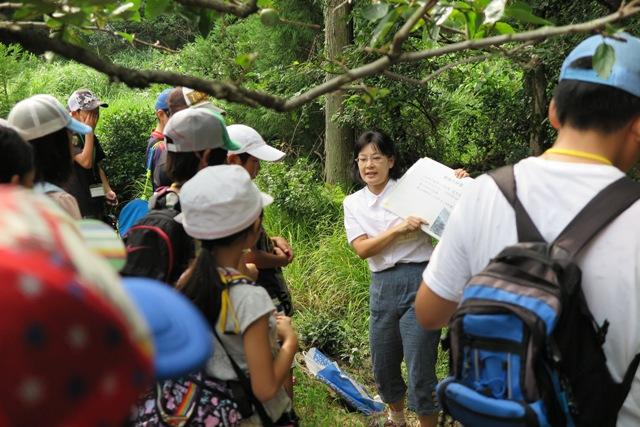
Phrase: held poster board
[428,190]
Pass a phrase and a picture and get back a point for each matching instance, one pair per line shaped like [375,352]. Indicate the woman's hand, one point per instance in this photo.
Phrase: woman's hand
[409,225]
[461,173]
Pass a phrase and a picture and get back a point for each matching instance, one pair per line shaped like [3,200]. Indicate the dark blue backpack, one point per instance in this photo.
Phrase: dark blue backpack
[524,347]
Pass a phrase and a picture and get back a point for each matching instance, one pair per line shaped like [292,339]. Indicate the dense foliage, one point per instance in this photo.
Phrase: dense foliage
[476,115]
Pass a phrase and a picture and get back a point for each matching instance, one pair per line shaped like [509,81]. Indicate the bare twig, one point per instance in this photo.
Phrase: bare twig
[344,3]
[451,65]
[301,24]
[402,78]
[403,33]
[10,6]
[42,26]
[240,9]
[472,59]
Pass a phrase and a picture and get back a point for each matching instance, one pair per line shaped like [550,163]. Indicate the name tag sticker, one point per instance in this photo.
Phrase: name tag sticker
[97,190]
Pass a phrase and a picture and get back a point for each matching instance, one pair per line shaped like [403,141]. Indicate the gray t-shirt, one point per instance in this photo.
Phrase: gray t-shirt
[250,302]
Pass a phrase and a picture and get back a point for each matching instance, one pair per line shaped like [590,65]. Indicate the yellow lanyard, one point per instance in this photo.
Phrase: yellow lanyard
[580,154]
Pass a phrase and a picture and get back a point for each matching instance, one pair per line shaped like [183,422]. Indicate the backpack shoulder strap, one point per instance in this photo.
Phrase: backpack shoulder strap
[597,214]
[245,382]
[506,181]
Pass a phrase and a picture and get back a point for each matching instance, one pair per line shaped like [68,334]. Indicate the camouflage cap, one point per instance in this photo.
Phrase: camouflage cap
[84,100]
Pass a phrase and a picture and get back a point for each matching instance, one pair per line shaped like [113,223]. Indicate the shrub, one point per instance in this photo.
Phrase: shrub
[123,130]
[299,193]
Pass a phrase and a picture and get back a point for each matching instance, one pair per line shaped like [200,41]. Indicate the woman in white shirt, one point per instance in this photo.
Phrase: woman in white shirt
[397,252]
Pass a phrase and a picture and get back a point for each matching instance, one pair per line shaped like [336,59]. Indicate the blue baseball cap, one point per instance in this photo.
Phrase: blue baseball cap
[181,336]
[162,102]
[625,73]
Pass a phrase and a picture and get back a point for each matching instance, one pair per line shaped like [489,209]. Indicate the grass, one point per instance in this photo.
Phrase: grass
[329,286]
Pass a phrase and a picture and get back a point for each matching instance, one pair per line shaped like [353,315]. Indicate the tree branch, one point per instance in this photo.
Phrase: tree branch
[403,33]
[472,59]
[401,78]
[42,26]
[10,6]
[239,9]
[38,43]
[539,34]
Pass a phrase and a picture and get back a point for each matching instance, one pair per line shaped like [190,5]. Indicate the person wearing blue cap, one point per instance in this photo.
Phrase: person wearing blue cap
[156,154]
[45,124]
[597,117]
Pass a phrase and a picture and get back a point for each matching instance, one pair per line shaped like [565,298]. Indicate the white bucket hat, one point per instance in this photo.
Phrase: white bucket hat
[220,201]
[252,142]
[42,115]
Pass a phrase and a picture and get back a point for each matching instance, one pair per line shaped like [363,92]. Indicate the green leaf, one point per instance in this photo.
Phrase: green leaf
[504,28]
[32,11]
[375,12]
[265,4]
[52,23]
[246,60]
[603,60]
[128,37]
[155,8]
[525,16]
[494,11]
[474,21]
[462,6]
[122,8]
[383,27]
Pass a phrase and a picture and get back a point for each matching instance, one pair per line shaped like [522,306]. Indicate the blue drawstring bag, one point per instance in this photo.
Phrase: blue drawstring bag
[330,373]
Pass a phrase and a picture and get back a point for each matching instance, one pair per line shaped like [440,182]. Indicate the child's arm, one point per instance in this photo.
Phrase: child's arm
[266,373]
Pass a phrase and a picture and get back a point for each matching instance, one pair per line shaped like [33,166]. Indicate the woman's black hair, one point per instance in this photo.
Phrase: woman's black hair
[17,155]
[181,167]
[204,287]
[52,155]
[384,145]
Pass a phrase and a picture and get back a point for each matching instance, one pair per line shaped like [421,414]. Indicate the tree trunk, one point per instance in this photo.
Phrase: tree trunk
[536,84]
[338,138]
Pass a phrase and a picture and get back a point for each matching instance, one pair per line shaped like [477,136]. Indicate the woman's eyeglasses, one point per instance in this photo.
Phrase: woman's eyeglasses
[375,159]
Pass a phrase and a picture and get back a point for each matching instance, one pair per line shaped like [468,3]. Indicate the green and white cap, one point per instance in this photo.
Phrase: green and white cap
[197,129]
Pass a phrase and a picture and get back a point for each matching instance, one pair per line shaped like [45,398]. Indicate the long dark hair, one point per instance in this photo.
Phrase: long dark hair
[182,166]
[385,146]
[52,155]
[204,287]
[17,155]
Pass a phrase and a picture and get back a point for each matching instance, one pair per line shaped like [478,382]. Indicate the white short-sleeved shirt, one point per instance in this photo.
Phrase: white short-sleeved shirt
[364,214]
[553,192]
